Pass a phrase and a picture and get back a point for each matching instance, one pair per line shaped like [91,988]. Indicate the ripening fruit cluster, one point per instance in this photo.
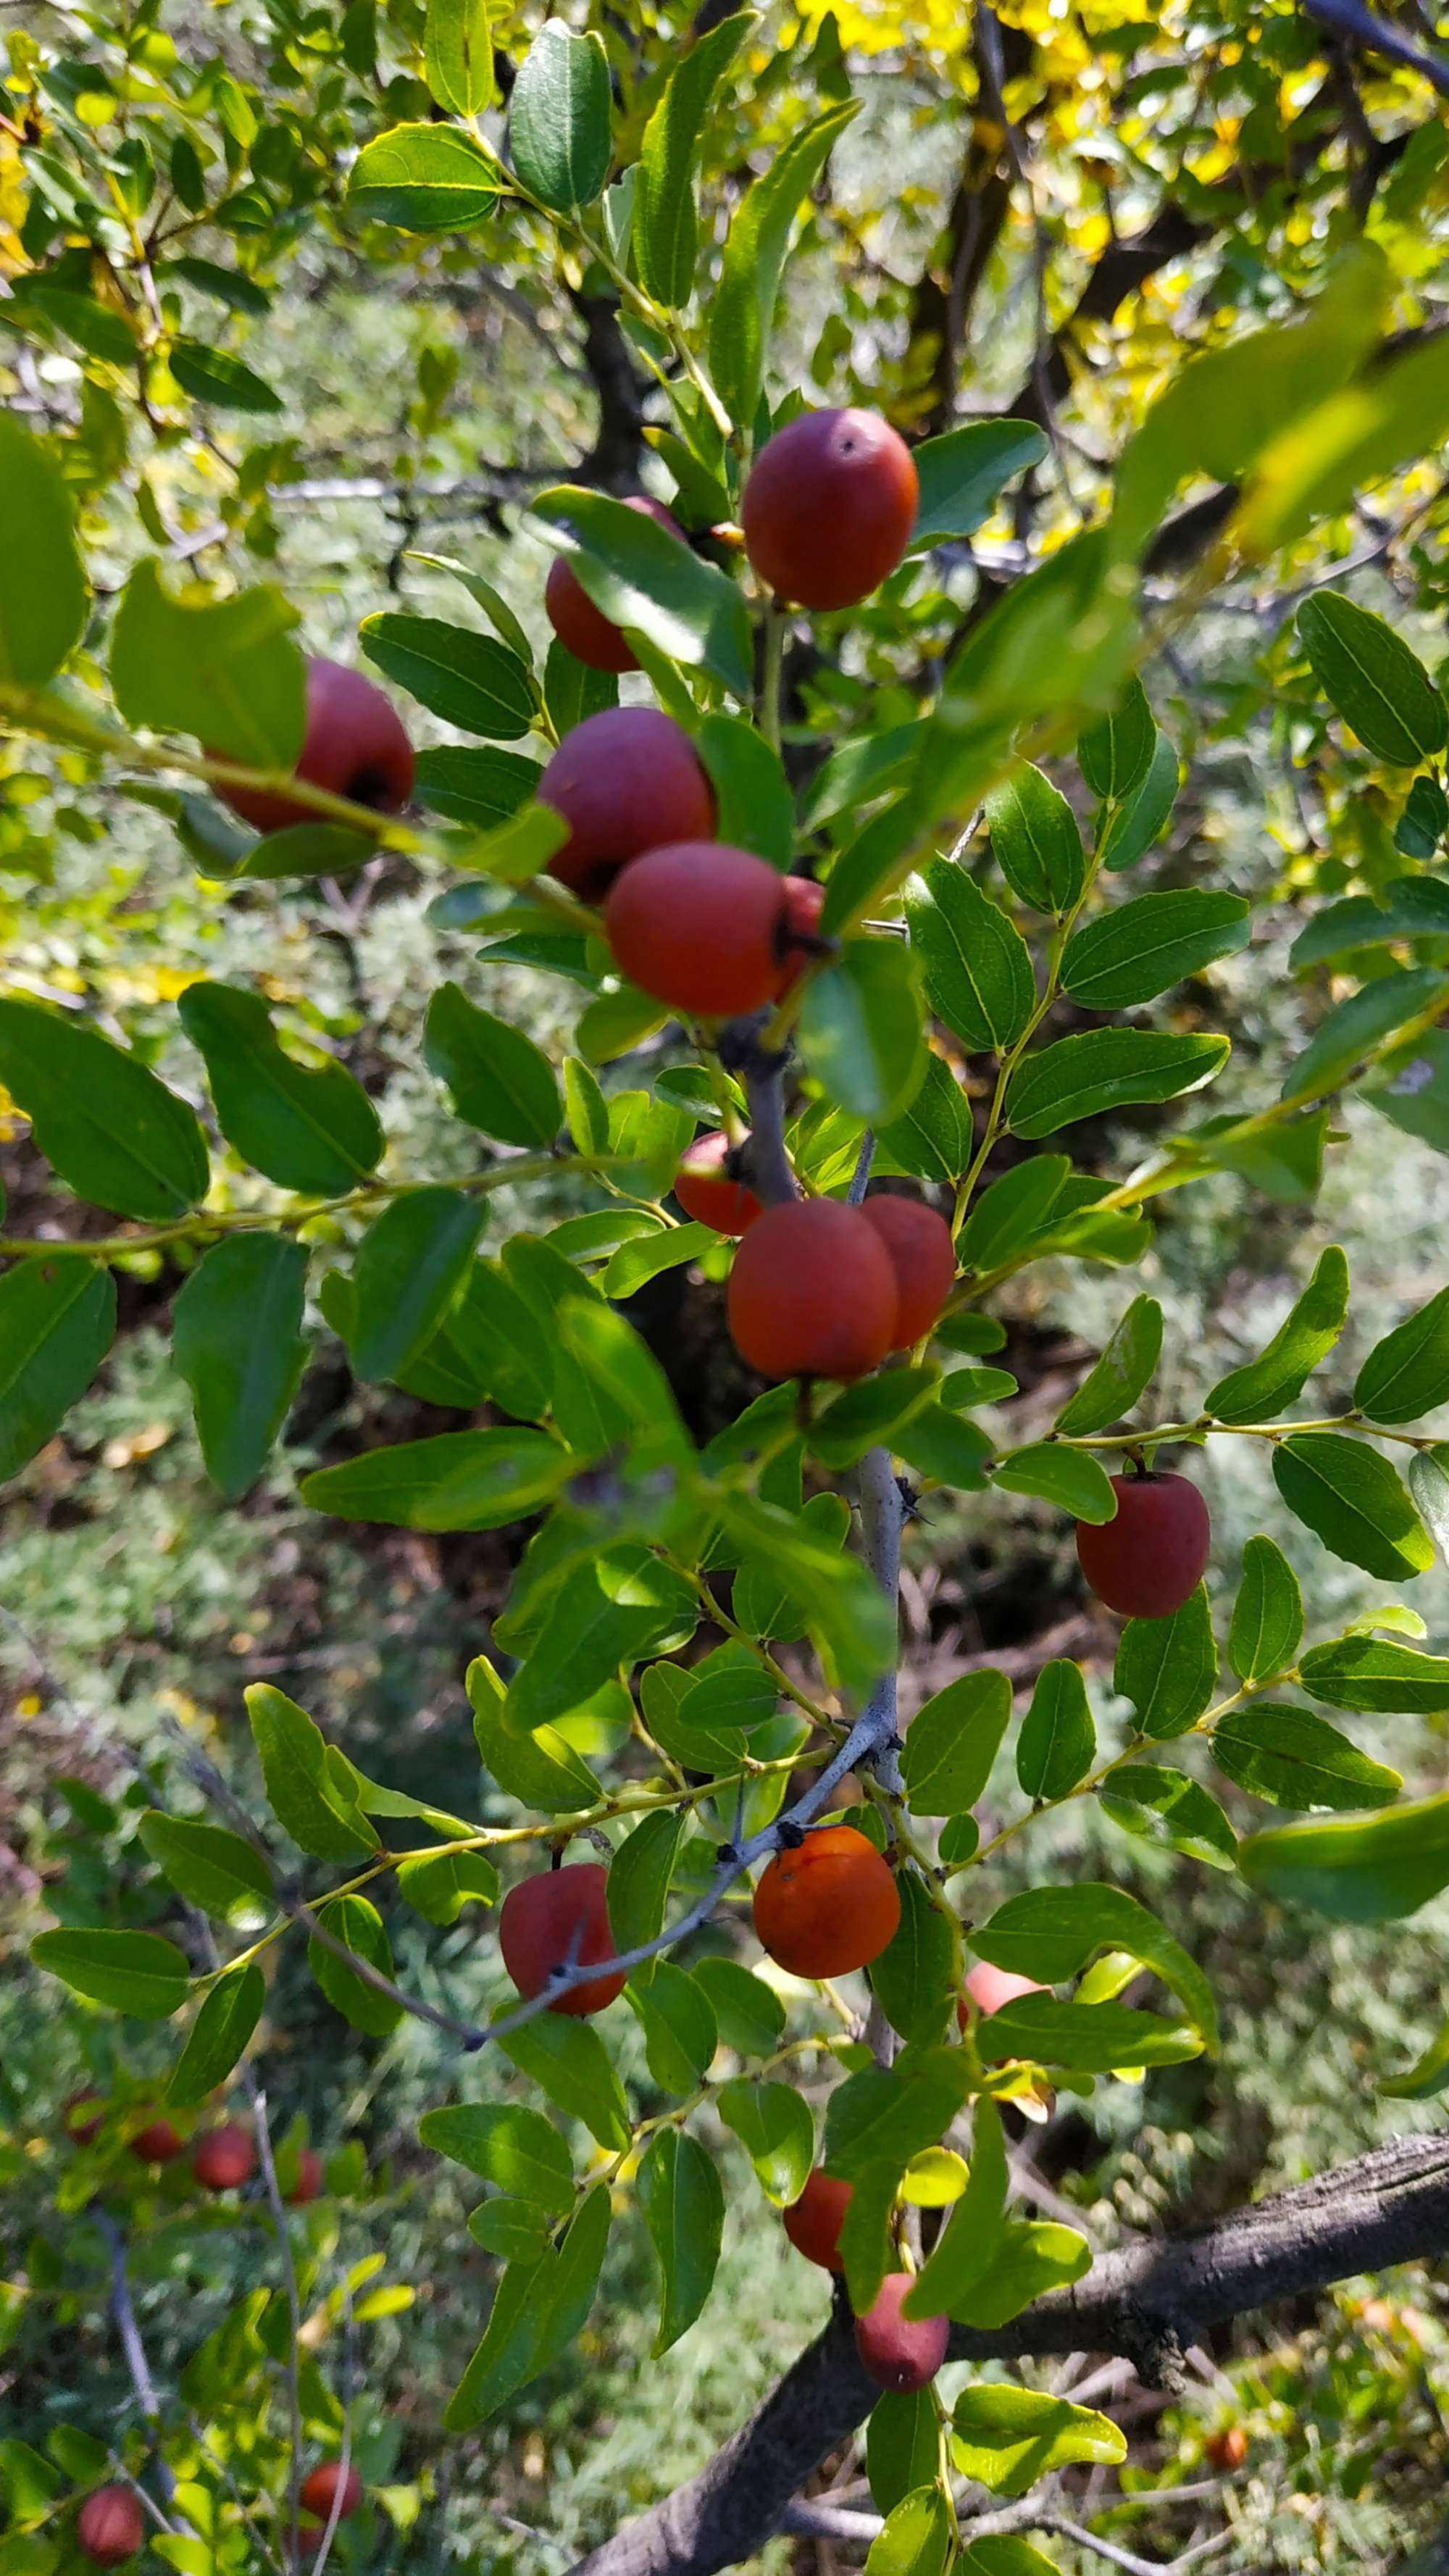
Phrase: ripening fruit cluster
[222,2159]
[706,928]
[110,2527]
[819,1289]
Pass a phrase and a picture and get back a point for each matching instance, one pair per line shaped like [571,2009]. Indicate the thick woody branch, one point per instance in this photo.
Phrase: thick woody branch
[1142,2301]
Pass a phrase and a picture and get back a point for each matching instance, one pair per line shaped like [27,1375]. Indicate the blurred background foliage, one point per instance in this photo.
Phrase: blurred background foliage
[1036,209]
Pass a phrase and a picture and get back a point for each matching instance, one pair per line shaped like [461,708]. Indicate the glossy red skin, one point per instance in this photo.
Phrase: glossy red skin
[157,2144]
[320,2485]
[310,2178]
[536,1933]
[355,745]
[1149,1560]
[990,1990]
[81,2132]
[582,626]
[900,2353]
[829,508]
[828,1905]
[225,2158]
[110,2526]
[700,926]
[812,1293]
[625,781]
[804,904]
[706,1192]
[923,1258]
[814,2221]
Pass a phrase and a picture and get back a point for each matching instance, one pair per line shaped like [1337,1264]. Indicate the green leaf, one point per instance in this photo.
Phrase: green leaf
[1429,1487]
[470,680]
[683,2203]
[680,2034]
[1138,949]
[860,1029]
[1356,1026]
[1165,1806]
[1407,1373]
[114,1133]
[1106,1069]
[558,118]
[57,1321]
[228,671]
[459,1480]
[777,2131]
[742,306]
[1373,679]
[1115,754]
[1008,2437]
[867,1413]
[43,600]
[756,807]
[1369,1869]
[458,55]
[914,1979]
[505,2143]
[1051,1932]
[1376,1675]
[360,1928]
[938,1444]
[1407,907]
[963,473]
[932,1136]
[425,179]
[666,223]
[1352,1499]
[410,1266]
[1294,1759]
[1036,842]
[539,2309]
[309,1128]
[649,581]
[1011,1211]
[902,2447]
[952,1743]
[239,1347]
[1267,1620]
[883,2116]
[1125,1369]
[208,1866]
[1058,1739]
[1073,1479]
[916,2538]
[972,2232]
[216,376]
[1028,2260]
[1167,1667]
[977,966]
[1093,2038]
[302,1792]
[214,2043]
[1304,1338]
[750,2013]
[473,783]
[136,1973]
[1134,825]
[500,1082]
[439,1885]
[639,1878]
[568,2061]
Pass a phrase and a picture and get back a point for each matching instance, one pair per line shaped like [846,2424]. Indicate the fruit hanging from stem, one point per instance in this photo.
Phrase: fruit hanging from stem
[560,1919]
[625,781]
[1151,1558]
[829,508]
[922,1255]
[900,2353]
[578,622]
[814,2221]
[827,1904]
[710,1191]
[813,1293]
[356,745]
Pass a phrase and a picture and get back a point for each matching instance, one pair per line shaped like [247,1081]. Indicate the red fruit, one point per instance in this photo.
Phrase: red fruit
[1228,2449]
[110,2527]
[900,2353]
[560,1919]
[589,635]
[83,2117]
[225,2158]
[625,781]
[814,2221]
[355,745]
[700,926]
[804,904]
[812,1293]
[708,1193]
[1151,1558]
[828,1905]
[157,2144]
[310,2179]
[829,508]
[320,2485]
[990,1990]
[923,1257]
